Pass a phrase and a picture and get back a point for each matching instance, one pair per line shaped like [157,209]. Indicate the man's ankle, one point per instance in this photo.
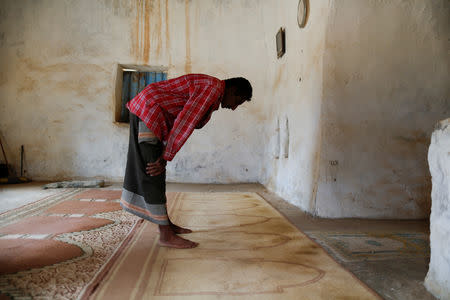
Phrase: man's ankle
[165,231]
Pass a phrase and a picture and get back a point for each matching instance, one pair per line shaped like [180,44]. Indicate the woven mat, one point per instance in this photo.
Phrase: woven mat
[354,247]
[247,251]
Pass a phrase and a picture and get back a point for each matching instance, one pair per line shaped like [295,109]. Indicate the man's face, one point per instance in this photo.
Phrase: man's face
[231,100]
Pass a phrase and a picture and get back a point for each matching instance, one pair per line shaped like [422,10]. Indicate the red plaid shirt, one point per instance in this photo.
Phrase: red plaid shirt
[173,108]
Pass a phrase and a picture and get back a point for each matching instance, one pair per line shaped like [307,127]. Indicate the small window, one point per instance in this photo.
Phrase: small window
[134,80]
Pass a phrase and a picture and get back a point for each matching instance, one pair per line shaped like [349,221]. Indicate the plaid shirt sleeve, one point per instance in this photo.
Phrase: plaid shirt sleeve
[202,97]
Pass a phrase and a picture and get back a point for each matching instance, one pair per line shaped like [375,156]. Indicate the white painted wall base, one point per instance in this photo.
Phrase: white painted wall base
[438,277]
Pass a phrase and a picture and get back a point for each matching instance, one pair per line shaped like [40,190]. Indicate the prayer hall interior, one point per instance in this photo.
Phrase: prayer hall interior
[333,182]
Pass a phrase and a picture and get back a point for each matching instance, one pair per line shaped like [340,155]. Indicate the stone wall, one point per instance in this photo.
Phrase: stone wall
[438,277]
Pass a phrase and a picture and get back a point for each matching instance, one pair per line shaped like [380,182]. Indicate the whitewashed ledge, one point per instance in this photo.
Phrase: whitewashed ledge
[437,280]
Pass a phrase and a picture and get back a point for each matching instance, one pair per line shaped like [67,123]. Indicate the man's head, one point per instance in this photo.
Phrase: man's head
[237,91]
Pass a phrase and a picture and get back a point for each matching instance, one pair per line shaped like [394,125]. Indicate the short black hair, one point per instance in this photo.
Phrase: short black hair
[243,87]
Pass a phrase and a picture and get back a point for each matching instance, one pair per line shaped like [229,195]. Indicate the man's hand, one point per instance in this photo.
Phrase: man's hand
[156,168]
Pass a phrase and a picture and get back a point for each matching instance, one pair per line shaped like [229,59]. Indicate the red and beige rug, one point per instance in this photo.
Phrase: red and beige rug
[81,245]
[54,247]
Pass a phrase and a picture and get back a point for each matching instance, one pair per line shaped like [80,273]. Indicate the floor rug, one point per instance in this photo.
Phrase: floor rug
[247,250]
[354,247]
[55,247]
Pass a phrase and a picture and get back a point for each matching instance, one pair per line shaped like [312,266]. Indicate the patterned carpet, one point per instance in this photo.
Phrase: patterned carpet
[79,244]
[52,248]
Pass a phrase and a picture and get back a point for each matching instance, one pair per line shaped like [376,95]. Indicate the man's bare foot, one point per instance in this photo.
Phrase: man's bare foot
[168,238]
[179,230]
[177,242]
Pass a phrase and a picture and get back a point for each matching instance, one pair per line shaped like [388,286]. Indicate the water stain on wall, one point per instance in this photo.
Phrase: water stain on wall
[141,30]
[257,111]
[31,65]
[135,43]
[3,78]
[415,137]
[168,33]
[147,11]
[37,76]
[147,30]
[156,28]
[188,63]
[317,55]
[278,77]
[27,85]
[316,174]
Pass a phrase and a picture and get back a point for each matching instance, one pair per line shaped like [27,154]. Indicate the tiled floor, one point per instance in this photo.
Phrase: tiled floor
[393,274]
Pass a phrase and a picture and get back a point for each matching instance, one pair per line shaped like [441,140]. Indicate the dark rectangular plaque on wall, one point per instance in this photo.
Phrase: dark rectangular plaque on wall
[281,43]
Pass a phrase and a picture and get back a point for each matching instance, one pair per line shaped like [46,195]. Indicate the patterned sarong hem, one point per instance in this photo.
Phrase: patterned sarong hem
[136,204]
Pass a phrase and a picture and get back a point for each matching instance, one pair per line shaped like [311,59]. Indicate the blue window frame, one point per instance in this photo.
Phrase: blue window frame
[133,83]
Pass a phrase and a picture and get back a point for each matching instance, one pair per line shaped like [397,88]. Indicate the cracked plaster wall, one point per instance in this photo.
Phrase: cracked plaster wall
[386,70]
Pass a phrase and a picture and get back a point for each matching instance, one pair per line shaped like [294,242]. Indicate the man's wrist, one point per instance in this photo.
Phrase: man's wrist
[167,156]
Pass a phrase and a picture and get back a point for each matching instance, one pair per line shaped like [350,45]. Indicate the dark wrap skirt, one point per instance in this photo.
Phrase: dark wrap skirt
[144,195]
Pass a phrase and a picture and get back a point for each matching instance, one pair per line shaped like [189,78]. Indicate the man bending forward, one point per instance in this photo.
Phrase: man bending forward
[162,117]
